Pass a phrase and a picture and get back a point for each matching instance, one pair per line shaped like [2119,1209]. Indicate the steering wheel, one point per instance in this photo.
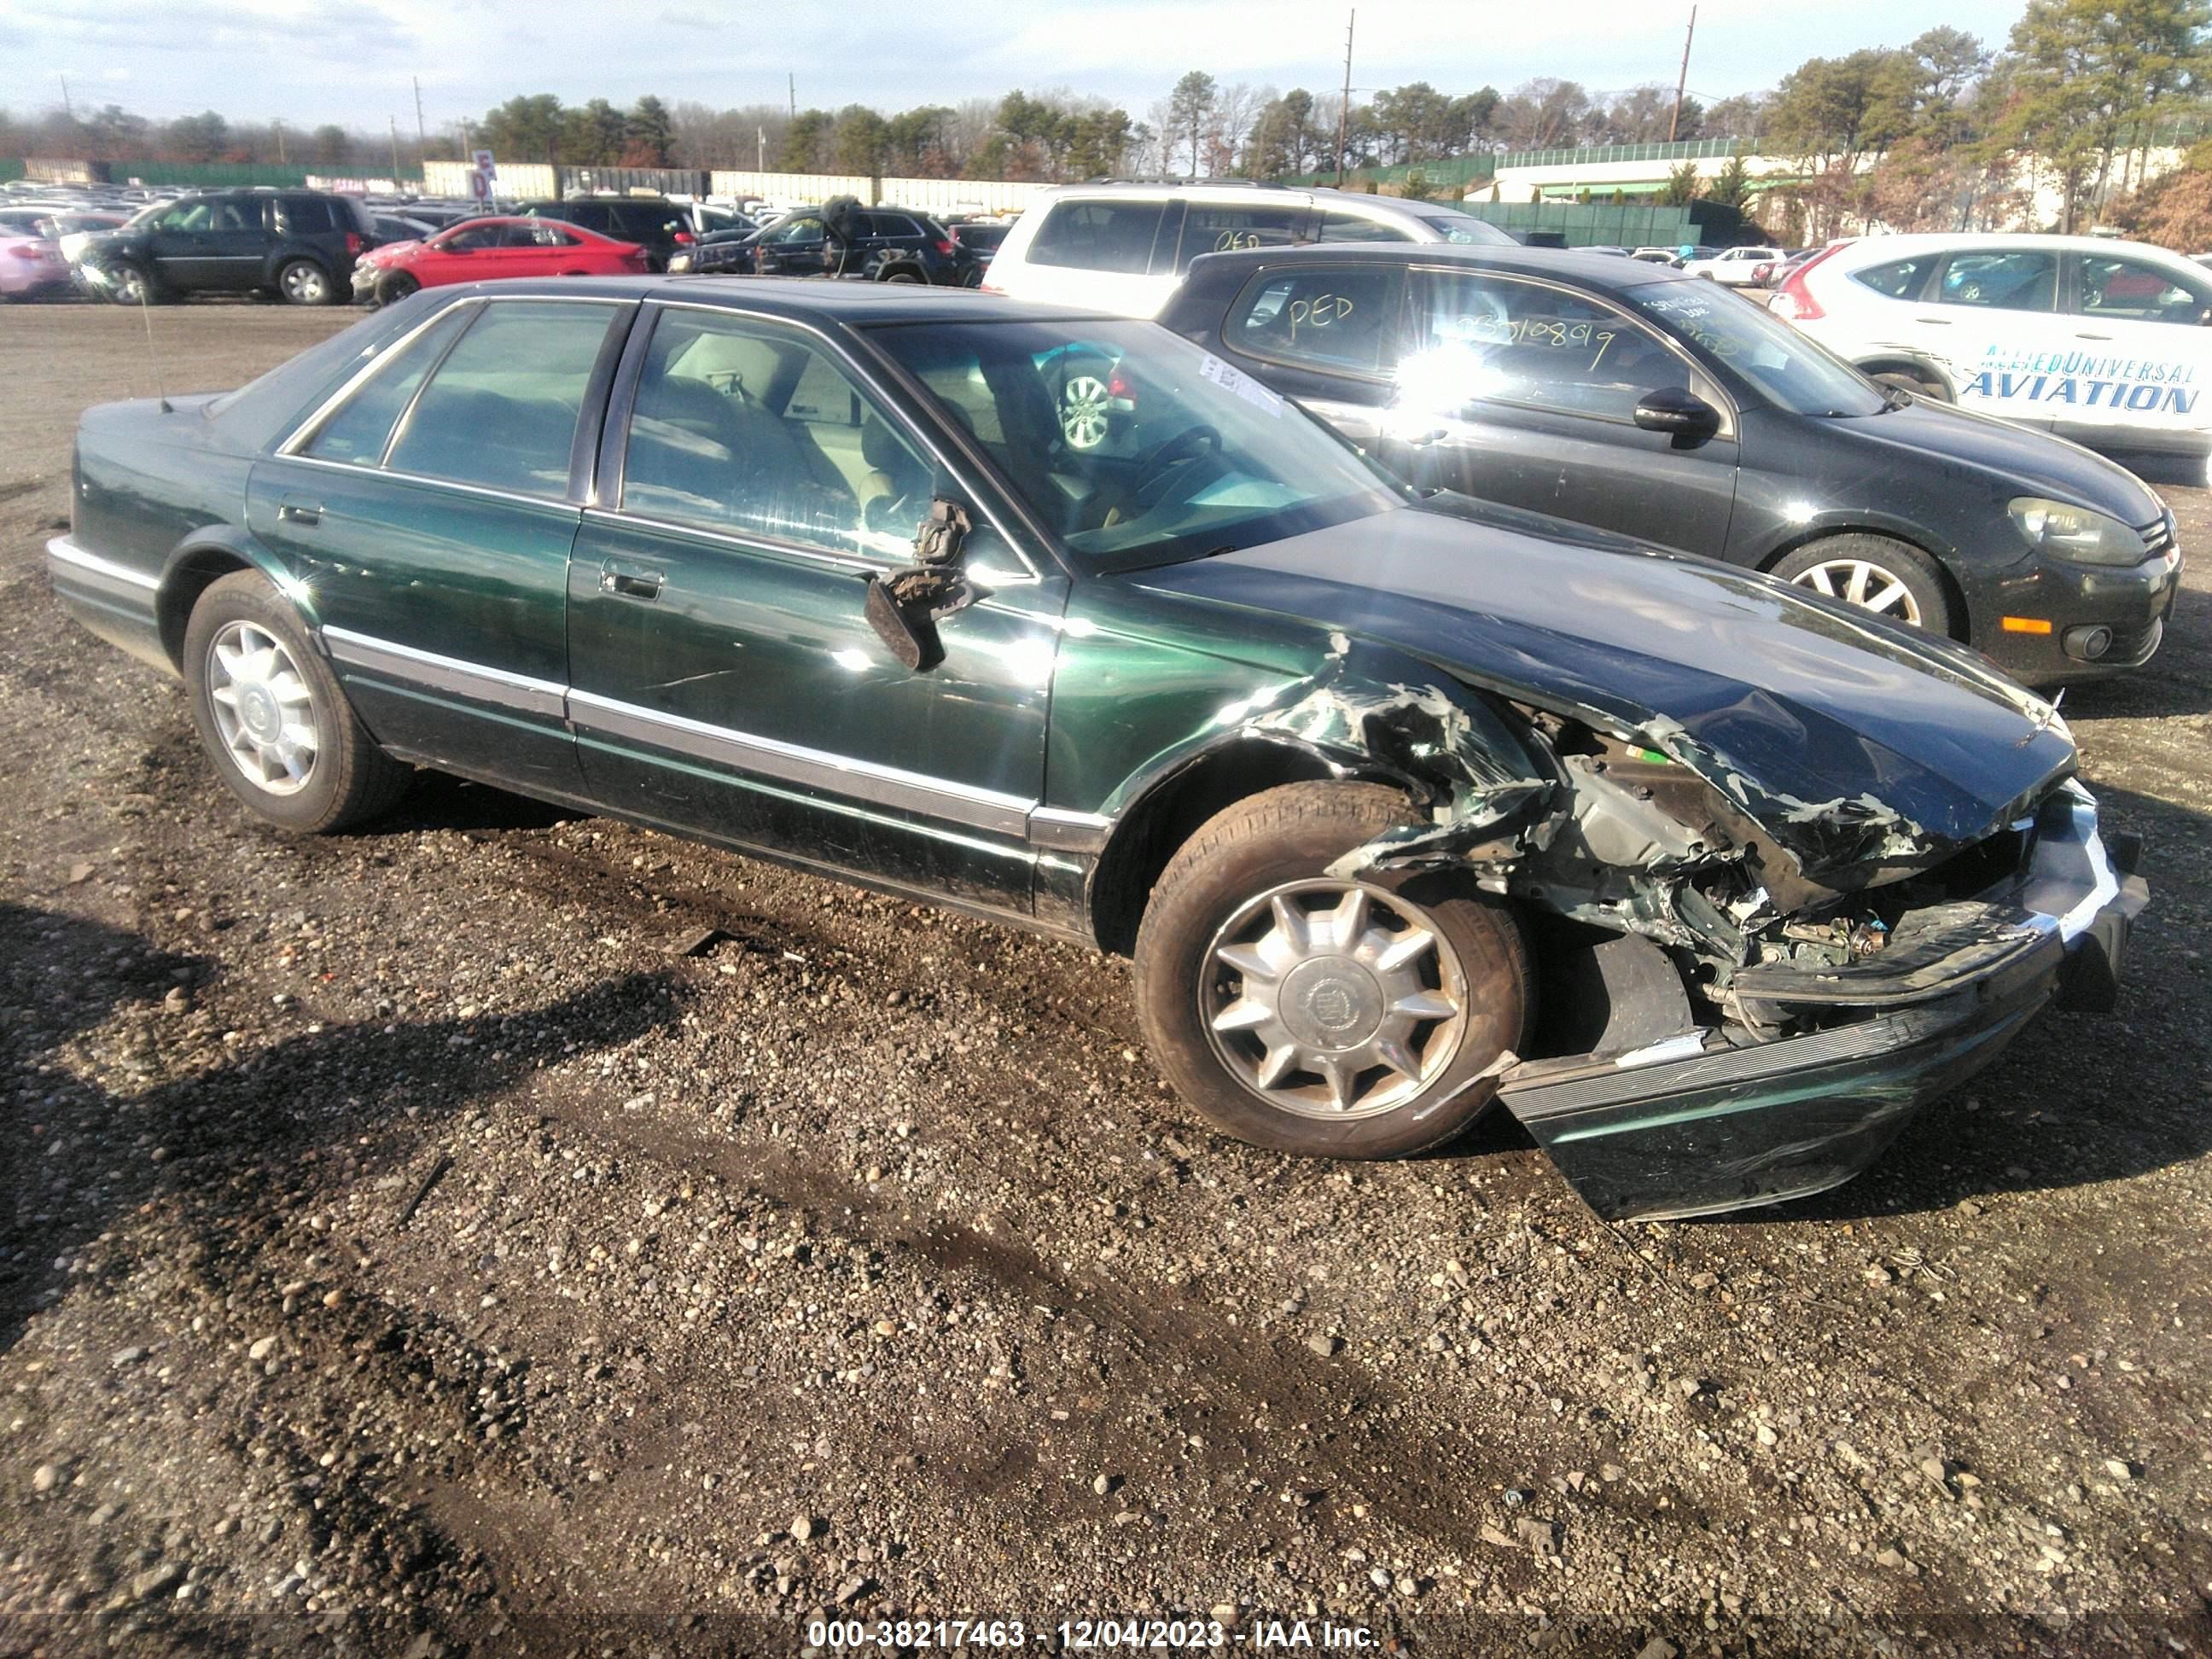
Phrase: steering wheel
[1154,468]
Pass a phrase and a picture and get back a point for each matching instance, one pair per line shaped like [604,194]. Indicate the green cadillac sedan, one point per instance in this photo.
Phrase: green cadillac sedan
[1405,805]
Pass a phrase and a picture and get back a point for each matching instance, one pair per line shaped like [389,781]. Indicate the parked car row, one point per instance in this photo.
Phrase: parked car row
[1348,767]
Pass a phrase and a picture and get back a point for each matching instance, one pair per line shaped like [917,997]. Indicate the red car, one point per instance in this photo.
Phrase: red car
[479,249]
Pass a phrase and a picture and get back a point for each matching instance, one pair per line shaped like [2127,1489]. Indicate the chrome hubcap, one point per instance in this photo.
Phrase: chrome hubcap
[1333,999]
[1084,407]
[304,283]
[1863,584]
[264,711]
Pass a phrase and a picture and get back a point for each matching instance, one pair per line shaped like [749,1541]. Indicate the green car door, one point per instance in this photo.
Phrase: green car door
[724,678]
[428,516]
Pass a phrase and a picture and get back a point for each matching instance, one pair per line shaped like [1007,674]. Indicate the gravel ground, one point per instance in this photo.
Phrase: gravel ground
[404,1249]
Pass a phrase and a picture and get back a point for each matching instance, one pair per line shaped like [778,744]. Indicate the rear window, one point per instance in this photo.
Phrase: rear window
[1337,226]
[306,214]
[1900,279]
[1111,236]
[1465,228]
[1208,229]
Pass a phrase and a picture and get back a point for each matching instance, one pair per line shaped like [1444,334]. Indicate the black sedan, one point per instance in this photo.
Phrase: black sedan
[1628,397]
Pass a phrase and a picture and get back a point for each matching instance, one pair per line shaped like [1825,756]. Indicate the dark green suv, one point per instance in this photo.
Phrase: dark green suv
[810,570]
[298,245]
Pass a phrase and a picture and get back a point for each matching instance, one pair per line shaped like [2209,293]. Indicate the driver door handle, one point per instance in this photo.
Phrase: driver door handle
[630,581]
[298,512]
[1934,322]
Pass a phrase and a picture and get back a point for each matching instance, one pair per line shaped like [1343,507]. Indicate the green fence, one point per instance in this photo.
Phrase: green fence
[10,170]
[1626,224]
[232,175]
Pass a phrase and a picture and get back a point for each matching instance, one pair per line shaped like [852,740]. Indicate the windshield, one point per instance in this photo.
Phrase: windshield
[1136,448]
[1793,372]
[1464,228]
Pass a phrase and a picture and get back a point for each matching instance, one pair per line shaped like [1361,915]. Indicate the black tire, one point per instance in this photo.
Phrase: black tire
[129,280]
[902,274]
[350,779]
[1290,835]
[1920,576]
[391,289]
[304,282]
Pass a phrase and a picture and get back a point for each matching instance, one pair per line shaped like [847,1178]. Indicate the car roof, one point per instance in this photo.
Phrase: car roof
[1887,247]
[1607,270]
[800,298]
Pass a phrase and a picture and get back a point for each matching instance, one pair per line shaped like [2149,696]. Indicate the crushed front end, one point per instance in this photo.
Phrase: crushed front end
[1835,1031]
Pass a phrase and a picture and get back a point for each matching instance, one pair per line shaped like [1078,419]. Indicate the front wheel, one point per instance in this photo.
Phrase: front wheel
[304,283]
[1344,1017]
[391,289]
[272,716]
[1877,574]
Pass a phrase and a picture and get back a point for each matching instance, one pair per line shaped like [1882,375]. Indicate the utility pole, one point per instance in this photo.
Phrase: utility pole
[760,143]
[465,138]
[1674,123]
[277,122]
[68,109]
[395,150]
[1344,109]
[793,81]
[421,138]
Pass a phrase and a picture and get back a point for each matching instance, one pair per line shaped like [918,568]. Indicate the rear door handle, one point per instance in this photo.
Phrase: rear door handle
[2093,337]
[298,512]
[1934,322]
[630,581]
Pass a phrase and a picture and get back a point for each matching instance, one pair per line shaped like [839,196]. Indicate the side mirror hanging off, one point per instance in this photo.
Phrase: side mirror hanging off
[905,606]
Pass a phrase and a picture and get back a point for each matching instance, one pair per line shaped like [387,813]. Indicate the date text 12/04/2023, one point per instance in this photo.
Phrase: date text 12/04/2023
[1109,1634]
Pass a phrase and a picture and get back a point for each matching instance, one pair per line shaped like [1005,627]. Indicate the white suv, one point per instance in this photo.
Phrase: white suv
[1123,248]
[1735,267]
[2099,341]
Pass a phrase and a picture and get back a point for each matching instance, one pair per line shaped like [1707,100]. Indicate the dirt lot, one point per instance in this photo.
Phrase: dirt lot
[402,1249]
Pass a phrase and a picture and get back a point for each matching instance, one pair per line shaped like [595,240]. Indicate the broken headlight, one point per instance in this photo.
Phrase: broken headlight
[2075,533]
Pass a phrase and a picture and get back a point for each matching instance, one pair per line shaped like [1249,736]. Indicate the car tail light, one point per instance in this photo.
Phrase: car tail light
[26,251]
[1795,303]
[353,243]
[1119,385]
[947,246]
[988,287]
[683,239]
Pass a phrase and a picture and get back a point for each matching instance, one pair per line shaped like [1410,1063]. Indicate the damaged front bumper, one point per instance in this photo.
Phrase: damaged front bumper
[1700,1123]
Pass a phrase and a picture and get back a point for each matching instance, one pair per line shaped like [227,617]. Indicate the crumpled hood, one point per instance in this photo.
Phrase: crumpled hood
[1848,739]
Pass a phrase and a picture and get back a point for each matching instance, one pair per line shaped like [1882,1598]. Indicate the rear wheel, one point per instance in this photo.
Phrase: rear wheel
[1888,577]
[901,275]
[131,285]
[304,283]
[1346,1017]
[272,716]
[391,289]
[1086,402]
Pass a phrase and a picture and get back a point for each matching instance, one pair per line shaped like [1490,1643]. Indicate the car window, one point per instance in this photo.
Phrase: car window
[1464,228]
[1328,319]
[501,411]
[2009,279]
[741,427]
[236,216]
[1790,370]
[185,216]
[794,232]
[1189,454]
[1495,338]
[1230,229]
[1108,236]
[1336,227]
[474,236]
[356,433]
[2113,285]
[1900,279]
[303,214]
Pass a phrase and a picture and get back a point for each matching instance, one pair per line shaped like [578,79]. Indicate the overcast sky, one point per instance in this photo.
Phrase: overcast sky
[349,60]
